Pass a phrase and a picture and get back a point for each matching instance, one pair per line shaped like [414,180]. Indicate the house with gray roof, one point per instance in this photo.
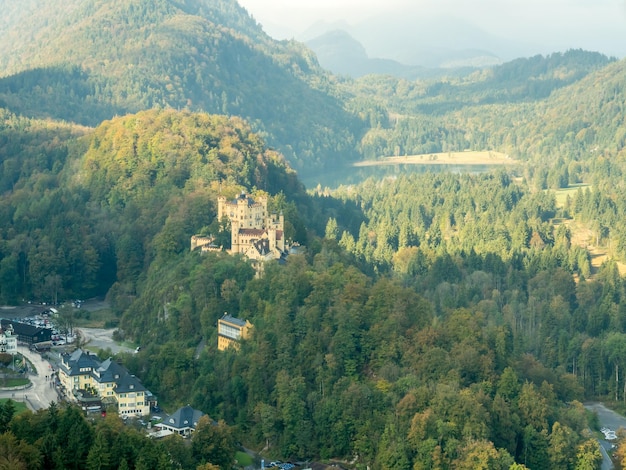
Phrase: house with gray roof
[183,421]
[111,382]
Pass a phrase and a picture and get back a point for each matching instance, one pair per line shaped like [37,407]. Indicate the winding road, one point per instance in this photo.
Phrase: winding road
[42,392]
[611,420]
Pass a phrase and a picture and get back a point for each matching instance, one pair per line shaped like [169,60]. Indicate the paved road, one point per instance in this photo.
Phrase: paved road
[611,420]
[41,394]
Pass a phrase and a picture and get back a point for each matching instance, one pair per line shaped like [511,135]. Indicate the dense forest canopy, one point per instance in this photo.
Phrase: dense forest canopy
[430,321]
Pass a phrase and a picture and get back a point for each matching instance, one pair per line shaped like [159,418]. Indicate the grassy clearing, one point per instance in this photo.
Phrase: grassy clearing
[103,318]
[19,406]
[571,190]
[243,459]
[14,382]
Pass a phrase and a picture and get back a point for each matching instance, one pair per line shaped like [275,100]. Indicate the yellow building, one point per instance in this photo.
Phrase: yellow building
[204,243]
[75,371]
[81,374]
[230,331]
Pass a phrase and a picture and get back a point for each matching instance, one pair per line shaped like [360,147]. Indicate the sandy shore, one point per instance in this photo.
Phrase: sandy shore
[447,158]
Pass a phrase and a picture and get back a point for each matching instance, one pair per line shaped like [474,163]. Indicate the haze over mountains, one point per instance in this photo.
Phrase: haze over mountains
[426,41]
[90,61]
[444,34]
[408,49]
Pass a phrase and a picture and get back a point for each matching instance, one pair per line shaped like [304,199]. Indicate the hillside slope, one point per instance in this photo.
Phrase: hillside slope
[87,61]
[83,209]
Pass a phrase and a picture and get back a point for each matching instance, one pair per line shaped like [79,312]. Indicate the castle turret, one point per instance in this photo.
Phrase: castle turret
[235,241]
[271,235]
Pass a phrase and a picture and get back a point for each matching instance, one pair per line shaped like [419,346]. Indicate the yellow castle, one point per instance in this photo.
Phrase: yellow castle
[255,233]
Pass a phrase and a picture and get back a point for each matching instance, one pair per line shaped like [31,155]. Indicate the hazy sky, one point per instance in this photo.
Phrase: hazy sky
[550,25]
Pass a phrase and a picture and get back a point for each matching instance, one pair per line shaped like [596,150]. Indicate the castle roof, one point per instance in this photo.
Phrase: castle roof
[262,245]
[252,232]
[243,197]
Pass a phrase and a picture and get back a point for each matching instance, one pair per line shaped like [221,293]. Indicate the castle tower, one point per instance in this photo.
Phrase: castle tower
[235,242]
[221,207]
[271,235]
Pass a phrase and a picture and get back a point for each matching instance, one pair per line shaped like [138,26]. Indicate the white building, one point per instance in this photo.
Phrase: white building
[8,342]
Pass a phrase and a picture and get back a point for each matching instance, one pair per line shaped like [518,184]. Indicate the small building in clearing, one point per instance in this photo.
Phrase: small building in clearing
[182,422]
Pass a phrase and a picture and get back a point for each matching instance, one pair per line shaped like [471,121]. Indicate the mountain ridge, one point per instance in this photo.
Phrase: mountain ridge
[176,54]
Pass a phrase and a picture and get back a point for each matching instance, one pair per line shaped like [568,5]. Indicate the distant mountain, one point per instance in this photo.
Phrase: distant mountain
[85,61]
[340,53]
[412,40]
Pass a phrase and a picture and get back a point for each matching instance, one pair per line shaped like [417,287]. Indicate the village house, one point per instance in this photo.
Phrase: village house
[8,341]
[26,333]
[182,422]
[85,379]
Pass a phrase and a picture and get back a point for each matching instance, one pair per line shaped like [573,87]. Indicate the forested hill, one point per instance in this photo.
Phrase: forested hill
[578,123]
[87,61]
[83,209]
[566,106]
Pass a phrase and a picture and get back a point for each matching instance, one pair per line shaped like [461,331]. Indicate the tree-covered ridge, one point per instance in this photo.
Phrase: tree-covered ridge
[86,212]
[137,154]
[502,109]
[460,355]
[101,20]
[92,60]
[30,146]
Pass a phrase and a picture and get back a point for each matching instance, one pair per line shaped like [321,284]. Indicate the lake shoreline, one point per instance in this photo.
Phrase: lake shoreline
[447,158]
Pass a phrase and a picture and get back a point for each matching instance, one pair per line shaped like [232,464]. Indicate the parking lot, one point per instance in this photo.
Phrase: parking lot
[95,338]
